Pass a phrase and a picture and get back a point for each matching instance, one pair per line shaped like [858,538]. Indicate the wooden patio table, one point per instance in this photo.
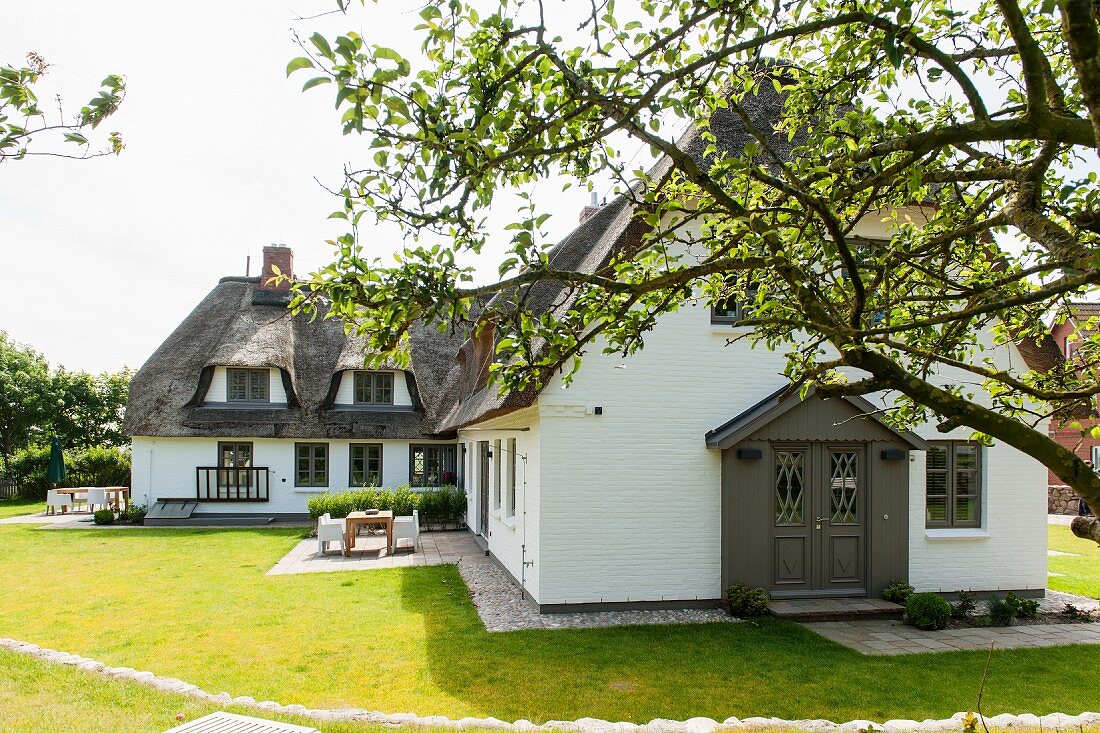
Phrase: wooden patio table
[363,518]
[120,493]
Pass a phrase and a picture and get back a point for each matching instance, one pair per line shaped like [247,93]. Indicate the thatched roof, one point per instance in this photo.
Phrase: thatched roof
[240,324]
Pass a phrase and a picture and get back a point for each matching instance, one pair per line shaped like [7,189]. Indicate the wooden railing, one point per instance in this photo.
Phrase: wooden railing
[216,483]
[9,487]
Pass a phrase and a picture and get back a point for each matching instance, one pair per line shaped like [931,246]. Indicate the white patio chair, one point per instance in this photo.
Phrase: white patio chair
[407,528]
[329,530]
[81,498]
[55,501]
[98,497]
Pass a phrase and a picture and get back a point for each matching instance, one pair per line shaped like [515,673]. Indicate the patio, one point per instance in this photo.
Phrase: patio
[436,548]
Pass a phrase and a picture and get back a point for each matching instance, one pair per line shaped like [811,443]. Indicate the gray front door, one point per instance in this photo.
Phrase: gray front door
[818,526]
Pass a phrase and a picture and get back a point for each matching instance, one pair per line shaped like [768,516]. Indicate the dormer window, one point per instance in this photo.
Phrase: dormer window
[246,385]
[373,388]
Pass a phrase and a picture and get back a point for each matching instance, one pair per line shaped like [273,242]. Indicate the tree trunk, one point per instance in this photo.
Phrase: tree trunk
[1063,462]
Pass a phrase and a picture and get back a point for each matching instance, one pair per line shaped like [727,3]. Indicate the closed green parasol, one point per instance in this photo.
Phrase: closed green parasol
[56,473]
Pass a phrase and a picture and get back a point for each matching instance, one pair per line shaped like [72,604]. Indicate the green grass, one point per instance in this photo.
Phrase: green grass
[1082,572]
[195,604]
[16,507]
[36,696]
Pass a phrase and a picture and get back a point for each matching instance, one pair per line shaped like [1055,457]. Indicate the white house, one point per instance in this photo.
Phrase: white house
[246,411]
[652,481]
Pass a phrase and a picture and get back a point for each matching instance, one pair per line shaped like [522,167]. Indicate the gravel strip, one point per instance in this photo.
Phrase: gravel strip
[502,607]
[1056,601]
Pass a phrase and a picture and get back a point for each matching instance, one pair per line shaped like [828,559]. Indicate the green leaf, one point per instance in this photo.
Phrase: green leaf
[316,82]
[299,63]
[321,43]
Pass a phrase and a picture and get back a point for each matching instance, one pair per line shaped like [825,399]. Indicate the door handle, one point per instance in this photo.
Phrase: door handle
[818,521]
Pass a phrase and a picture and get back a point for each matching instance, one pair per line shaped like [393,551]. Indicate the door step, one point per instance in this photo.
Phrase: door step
[834,609]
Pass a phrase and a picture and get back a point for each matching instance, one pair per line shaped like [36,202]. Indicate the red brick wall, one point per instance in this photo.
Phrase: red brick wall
[1071,438]
[281,257]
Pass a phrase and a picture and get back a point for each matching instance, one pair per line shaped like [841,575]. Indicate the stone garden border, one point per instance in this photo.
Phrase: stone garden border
[1054,721]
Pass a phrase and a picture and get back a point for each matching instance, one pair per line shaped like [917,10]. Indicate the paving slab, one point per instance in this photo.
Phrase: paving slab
[886,637]
[436,548]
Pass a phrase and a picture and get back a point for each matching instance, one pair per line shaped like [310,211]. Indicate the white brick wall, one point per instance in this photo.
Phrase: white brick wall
[512,540]
[630,498]
[165,467]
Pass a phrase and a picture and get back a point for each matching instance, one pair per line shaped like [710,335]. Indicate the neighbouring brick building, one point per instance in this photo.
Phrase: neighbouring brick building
[1060,498]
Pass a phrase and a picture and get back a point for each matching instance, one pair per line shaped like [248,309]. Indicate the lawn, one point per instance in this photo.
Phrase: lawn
[1081,573]
[15,507]
[195,604]
[36,696]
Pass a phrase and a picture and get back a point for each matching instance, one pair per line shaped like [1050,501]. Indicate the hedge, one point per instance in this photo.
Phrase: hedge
[91,467]
[440,504]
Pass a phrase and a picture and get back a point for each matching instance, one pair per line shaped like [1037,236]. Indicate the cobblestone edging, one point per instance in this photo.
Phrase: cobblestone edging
[1054,721]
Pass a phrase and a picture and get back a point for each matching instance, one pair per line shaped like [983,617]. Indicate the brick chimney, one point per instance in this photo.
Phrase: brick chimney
[282,257]
[592,208]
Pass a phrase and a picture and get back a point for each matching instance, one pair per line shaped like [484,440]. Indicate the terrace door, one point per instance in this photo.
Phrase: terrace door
[234,460]
[483,485]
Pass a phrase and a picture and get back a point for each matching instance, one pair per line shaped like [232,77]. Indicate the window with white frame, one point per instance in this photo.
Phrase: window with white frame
[953,484]
[498,464]
[510,502]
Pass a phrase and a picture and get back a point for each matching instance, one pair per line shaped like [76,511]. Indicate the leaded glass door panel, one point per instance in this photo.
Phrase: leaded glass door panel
[842,562]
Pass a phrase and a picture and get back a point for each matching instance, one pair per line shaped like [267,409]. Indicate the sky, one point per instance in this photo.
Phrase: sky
[100,259]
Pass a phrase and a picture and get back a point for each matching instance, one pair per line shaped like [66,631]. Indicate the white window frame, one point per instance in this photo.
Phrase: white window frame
[496,468]
[510,494]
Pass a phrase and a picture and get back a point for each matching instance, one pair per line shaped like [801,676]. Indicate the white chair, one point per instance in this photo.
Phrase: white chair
[81,498]
[329,530]
[98,497]
[55,500]
[407,528]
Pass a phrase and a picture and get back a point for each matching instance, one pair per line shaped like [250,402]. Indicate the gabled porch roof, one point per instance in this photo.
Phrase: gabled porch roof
[774,405]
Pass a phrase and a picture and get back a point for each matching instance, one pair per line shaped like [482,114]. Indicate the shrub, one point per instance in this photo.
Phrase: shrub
[437,504]
[135,513]
[1022,607]
[927,611]
[100,467]
[965,606]
[746,602]
[897,592]
[1002,612]
[28,468]
[104,516]
[91,467]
